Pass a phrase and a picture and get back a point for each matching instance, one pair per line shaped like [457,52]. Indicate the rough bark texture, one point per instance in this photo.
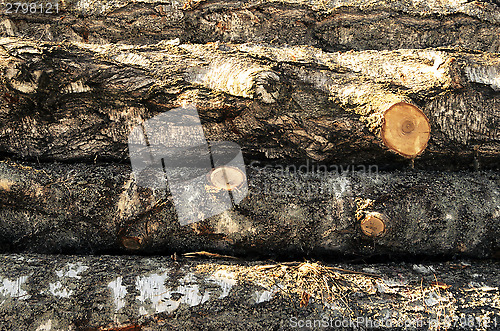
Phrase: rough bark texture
[80,101]
[89,208]
[156,293]
[328,24]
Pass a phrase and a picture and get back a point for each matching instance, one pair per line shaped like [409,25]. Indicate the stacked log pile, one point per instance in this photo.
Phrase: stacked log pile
[368,129]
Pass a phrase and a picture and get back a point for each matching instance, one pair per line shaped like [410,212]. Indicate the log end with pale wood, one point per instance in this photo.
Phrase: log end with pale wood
[227,178]
[374,224]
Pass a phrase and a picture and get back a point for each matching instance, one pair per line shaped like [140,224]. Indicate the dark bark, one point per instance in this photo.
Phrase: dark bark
[91,208]
[156,293]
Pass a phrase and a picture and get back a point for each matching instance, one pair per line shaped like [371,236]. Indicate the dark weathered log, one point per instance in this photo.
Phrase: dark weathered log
[333,25]
[90,208]
[81,101]
[135,293]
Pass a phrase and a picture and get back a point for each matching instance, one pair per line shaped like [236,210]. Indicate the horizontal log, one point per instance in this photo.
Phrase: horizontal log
[291,103]
[310,210]
[333,25]
[157,293]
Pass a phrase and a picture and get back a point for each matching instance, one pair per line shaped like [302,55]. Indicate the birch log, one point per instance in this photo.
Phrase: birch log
[80,101]
[111,293]
[55,208]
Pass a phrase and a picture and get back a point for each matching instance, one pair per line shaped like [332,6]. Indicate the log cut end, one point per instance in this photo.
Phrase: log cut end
[227,178]
[373,225]
[405,129]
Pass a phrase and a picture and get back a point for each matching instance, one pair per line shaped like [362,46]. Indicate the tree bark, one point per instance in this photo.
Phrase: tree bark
[287,212]
[79,102]
[42,292]
[330,25]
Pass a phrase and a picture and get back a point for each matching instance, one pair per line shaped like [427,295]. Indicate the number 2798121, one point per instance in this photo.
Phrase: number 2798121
[31,8]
